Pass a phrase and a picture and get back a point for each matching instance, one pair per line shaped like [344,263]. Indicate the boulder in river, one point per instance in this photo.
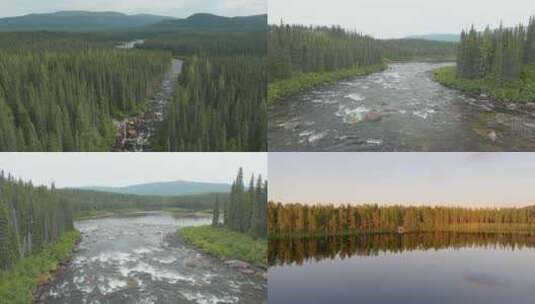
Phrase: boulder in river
[374,116]
[492,136]
[237,264]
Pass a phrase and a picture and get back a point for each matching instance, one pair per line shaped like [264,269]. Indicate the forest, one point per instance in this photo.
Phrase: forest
[64,91]
[93,202]
[299,250]
[499,63]
[220,100]
[501,53]
[219,105]
[30,219]
[322,220]
[246,210]
[296,49]
[301,57]
[65,100]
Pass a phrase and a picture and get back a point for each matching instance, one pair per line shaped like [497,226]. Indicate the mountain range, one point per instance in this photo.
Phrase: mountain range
[80,21]
[174,188]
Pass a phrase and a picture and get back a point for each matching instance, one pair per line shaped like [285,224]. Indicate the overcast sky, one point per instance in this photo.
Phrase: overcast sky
[121,169]
[400,18]
[175,8]
[467,179]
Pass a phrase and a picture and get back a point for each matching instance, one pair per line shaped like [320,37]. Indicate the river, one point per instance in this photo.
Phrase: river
[134,134]
[430,268]
[399,109]
[139,259]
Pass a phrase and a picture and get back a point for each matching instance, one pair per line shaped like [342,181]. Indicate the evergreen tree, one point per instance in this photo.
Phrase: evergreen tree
[215,215]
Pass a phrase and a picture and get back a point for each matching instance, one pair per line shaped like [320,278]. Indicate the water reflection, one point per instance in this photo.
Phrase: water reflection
[297,251]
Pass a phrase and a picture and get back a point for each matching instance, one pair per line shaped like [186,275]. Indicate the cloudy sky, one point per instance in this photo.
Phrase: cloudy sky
[467,179]
[395,18]
[121,169]
[175,8]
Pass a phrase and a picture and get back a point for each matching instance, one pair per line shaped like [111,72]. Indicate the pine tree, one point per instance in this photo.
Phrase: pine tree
[215,215]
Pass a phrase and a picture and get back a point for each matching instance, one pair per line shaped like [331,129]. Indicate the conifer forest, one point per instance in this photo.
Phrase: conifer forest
[92,91]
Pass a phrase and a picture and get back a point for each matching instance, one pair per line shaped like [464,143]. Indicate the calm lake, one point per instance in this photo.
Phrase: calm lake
[412,268]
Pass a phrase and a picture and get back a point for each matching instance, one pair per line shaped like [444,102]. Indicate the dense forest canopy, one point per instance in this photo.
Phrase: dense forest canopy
[500,54]
[246,210]
[219,105]
[296,49]
[63,91]
[30,218]
[220,100]
[65,100]
[298,219]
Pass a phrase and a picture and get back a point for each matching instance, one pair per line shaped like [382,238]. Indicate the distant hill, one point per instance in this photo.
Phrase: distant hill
[209,22]
[174,188]
[83,21]
[78,21]
[437,37]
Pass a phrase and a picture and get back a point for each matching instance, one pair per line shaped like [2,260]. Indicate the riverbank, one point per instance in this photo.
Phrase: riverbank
[18,285]
[524,229]
[176,212]
[226,244]
[520,91]
[294,85]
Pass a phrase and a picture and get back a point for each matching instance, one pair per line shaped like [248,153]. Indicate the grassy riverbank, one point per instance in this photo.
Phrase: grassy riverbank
[522,90]
[226,244]
[526,229]
[294,85]
[18,284]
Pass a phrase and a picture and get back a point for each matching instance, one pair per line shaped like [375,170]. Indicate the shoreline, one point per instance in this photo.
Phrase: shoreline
[25,282]
[173,211]
[232,260]
[477,90]
[287,87]
[349,234]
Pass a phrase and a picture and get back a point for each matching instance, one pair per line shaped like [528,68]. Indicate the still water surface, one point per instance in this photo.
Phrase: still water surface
[439,268]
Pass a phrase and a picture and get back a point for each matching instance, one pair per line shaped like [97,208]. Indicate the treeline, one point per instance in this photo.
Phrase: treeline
[30,218]
[295,49]
[500,54]
[246,210]
[299,250]
[189,43]
[219,105]
[66,100]
[305,220]
[86,202]
[417,49]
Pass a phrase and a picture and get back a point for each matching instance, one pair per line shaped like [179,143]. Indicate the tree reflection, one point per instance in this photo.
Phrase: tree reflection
[296,251]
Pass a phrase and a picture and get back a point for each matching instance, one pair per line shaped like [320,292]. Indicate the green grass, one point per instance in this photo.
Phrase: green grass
[301,82]
[226,244]
[18,284]
[521,90]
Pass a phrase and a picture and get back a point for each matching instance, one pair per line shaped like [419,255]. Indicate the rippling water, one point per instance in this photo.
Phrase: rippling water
[139,260]
[438,268]
[400,109]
